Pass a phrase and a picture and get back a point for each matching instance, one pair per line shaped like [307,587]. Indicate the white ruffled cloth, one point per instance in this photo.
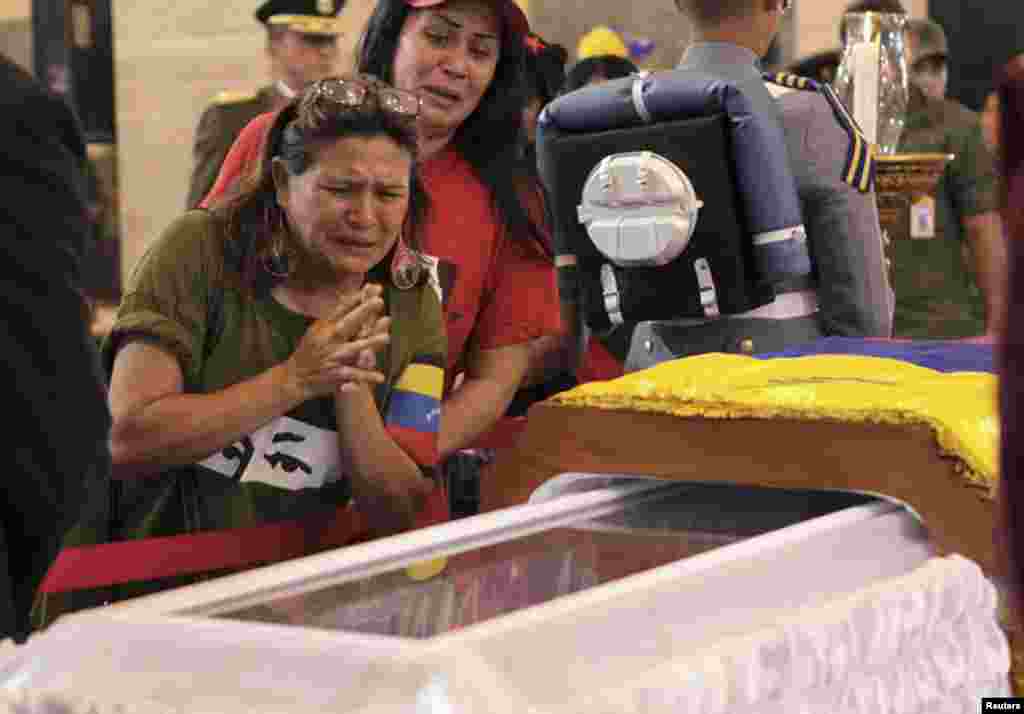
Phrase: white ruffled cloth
[928,642]
[62,703]
[925,642]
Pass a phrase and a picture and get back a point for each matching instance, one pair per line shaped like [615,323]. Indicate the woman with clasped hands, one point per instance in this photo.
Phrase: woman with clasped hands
[284,352]
[486,230]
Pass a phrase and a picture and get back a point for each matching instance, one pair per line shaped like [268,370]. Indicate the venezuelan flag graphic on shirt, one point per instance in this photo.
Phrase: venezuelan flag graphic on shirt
[414,411]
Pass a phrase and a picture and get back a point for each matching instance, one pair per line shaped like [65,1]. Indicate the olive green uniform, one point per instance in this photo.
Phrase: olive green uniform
[936,293]
[219,126]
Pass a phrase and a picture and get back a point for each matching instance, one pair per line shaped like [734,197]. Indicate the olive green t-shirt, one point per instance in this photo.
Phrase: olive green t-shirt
[185,297]
[937,296]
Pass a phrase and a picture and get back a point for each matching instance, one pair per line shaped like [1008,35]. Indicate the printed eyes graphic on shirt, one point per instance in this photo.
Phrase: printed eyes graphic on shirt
[286,453]
[241,452]
[286,461]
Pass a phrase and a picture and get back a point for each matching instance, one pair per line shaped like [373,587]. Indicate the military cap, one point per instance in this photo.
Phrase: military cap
[312,17]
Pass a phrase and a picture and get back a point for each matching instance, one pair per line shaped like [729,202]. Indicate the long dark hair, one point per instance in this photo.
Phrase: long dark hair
[254,217]
[489,138]
[545,68]
[1011,390]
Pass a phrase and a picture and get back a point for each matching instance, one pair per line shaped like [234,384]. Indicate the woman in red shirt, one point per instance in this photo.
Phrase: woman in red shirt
[485,229]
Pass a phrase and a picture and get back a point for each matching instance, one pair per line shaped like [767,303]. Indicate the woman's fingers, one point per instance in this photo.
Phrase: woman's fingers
[350,351]
[358,305]
[359,318]
[342,346]
[383,325]
[367,359]
[348,377]
[347,303]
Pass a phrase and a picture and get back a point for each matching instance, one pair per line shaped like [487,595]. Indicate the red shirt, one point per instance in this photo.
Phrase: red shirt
[243,156]
[501,291]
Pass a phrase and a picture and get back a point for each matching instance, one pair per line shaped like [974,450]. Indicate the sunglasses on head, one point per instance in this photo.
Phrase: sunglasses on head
[352,93]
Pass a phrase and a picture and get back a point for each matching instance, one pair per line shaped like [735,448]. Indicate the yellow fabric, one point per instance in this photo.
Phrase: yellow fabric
[960,407]
[425,379]
[601,41]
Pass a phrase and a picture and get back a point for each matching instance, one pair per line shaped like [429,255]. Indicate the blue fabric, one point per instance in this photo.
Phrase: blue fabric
[942,356]
[760,157]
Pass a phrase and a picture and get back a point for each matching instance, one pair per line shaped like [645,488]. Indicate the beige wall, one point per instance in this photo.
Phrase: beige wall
[16,41]
[15,9]
[16,31]
[565,21]
[170,59]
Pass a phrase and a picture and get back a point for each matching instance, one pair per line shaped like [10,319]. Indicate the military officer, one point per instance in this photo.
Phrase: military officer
[302,47]
[848,293]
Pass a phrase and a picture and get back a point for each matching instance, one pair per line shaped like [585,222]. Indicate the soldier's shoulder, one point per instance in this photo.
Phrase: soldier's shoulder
[229,97]
[234,109]
[787,82]
[819,111]
[796,95]
[821,66]
[233,101]
[799,95]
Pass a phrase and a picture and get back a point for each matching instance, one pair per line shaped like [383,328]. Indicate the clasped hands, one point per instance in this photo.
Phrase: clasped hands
[338,351]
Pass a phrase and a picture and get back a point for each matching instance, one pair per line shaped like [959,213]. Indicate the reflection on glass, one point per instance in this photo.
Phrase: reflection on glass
[487,582]
[872,76]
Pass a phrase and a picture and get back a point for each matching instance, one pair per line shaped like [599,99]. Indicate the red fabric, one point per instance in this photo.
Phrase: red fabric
[243,157]
[502,291]
[599,364]
[150,558]
[504,435]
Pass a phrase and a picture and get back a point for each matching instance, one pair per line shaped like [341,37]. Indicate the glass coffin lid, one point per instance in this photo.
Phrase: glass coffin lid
[447,593]
[579,531]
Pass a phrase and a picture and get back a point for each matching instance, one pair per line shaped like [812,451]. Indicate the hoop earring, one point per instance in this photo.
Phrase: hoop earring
[405,265]
[276,262]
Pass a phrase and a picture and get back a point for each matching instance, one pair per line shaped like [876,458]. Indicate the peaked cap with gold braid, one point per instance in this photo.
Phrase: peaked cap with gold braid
[311,17]
[859,171]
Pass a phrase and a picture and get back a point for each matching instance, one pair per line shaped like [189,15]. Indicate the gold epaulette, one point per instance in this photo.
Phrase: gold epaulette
[859,170]
[233,97]
[793,81]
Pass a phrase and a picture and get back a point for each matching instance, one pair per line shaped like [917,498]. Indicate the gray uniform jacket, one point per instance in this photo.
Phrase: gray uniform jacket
[844,236]
[218,127]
